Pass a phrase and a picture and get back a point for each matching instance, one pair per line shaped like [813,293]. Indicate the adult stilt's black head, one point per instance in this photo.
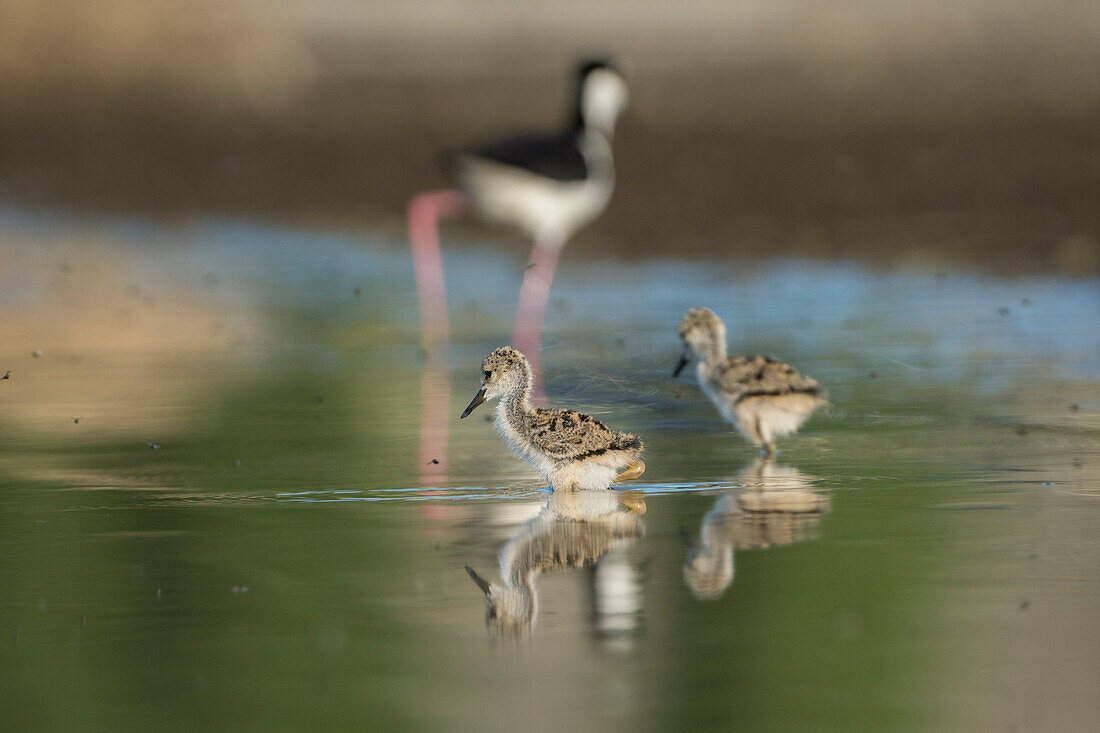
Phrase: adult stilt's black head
[587,66]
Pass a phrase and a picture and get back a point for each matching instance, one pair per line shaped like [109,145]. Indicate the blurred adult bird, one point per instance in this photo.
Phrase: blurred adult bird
[548,185]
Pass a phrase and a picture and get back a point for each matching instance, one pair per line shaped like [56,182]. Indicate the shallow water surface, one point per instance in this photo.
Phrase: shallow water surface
[234,495]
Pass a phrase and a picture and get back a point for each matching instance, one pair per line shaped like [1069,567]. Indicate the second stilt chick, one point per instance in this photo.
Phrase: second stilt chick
[765,399]
[573,451]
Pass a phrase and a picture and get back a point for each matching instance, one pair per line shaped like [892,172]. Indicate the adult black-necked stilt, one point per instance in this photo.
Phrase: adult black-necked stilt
[548,185]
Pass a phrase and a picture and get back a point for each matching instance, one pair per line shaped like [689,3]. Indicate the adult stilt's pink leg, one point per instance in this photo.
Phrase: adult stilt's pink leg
[435,405]
[533,297]
[425,210]
[435,419]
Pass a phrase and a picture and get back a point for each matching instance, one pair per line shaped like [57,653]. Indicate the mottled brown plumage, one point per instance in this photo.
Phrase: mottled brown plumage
[566,435]
[756,376]
[764,398]
[570,449]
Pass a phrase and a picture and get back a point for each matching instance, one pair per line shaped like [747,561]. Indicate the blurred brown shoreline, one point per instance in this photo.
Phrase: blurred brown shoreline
[753,159]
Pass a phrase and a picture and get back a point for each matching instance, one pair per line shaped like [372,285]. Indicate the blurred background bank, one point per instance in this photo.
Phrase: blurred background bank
[932,134]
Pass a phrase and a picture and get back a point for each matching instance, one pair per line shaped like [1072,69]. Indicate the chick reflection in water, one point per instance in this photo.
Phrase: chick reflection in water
[773,506]
[573,529]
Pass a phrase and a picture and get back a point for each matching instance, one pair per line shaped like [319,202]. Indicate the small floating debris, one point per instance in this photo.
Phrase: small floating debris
[873,375]
[1025,302]
[236,463]
[36,353]
[7,375]
[239,589]
[77,420]
[316,399]
[152,445]
[1004,311]
[433,462]
[1025,604]
[358,292]
[1072,408]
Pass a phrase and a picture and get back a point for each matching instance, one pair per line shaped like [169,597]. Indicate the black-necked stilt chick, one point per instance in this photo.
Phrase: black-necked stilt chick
[574,529]
[571,450]
[771,506]
[548,185]
[765,399]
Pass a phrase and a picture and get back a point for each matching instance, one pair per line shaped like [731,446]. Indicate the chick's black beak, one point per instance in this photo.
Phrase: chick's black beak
[481,582]
[477,400]
[680,367]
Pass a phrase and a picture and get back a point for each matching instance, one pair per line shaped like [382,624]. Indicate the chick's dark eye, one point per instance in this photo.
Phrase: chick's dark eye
[487,375]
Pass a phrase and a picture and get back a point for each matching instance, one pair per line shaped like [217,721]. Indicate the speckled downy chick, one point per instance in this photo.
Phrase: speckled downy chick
[765,399]
[572,451]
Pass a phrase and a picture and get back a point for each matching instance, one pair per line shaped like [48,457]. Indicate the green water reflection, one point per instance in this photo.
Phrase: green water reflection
[922,557]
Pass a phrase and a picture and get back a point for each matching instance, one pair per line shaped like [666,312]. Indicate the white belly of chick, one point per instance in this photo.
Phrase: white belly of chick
[590,475]
[777,416]
[522,447]
[724,402]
